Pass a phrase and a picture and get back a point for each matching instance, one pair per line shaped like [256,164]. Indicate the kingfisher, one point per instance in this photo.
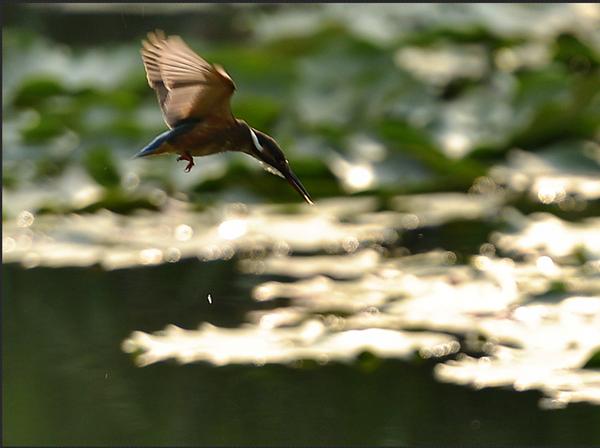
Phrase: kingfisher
[194,97]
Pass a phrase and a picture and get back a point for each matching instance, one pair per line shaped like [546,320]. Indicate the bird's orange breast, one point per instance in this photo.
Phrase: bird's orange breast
[210,137]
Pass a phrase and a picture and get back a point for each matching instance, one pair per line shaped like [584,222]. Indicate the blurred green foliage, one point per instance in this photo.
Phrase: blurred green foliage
[314,76]
[101,166]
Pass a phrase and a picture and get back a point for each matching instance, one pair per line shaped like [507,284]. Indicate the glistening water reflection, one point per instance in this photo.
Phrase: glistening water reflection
[369,294]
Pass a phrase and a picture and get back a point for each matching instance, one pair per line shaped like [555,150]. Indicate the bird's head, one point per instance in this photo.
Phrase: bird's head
[266,150]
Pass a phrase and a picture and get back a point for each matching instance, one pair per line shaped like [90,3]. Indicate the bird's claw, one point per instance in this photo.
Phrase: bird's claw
[190,160]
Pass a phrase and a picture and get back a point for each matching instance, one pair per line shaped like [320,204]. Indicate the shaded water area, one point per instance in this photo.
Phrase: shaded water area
[445,287]
[75,385]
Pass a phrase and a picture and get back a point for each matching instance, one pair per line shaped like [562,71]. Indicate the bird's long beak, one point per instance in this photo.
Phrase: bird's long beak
[295,182]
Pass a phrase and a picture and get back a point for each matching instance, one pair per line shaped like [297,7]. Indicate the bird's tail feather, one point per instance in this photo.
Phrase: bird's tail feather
[161,144]
[156,146]
[152,150]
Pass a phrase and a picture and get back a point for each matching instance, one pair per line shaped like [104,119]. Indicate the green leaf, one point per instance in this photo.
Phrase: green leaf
[594,361]
[36,90]
[100,164]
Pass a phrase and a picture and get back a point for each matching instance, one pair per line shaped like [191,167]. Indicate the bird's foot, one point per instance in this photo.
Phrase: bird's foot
[188,157]
[189,166]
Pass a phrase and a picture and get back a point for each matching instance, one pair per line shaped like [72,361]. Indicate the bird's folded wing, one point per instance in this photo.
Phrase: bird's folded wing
[186,85]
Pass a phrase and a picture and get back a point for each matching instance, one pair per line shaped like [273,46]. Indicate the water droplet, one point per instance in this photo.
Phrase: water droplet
[183,232]
[25,219]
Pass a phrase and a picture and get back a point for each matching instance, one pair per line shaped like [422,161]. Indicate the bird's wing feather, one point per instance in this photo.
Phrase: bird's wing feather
[186,85]
[150,57]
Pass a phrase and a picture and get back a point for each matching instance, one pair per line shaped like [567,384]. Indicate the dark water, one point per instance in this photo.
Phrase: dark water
[67,381]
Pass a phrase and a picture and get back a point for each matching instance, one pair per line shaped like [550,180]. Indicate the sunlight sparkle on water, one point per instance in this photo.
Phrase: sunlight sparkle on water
[355,176]
[183,232]
[550,190]
[233,229]
[547,266]
[87,195]
[151,256]
[359,177]
[456,144]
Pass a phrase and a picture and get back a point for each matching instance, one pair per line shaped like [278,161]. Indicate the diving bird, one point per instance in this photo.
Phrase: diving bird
[194,97]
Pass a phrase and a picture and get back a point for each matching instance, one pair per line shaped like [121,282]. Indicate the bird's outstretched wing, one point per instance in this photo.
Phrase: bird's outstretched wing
[186,85]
